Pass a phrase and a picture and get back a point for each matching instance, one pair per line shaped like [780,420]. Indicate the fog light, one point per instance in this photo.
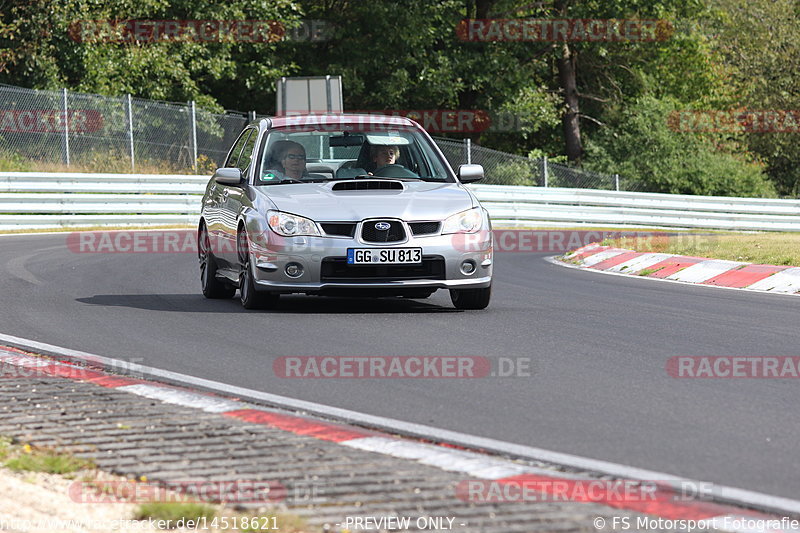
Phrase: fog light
[467,268]
[294,270]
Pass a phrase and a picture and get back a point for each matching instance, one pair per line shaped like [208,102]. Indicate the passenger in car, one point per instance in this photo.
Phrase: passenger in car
[382,156]
[288,160]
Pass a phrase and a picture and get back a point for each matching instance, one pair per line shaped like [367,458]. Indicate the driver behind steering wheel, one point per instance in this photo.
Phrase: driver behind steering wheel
[382,156]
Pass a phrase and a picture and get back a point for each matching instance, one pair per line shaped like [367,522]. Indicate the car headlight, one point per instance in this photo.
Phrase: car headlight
[468,221]
[291,225]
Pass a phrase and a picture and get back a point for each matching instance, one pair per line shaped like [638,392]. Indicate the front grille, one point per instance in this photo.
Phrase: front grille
[341,229]
[337,269]
[424,228]
[395,233]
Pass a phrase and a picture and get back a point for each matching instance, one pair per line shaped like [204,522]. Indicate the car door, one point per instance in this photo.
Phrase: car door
[218,217]
[234,197]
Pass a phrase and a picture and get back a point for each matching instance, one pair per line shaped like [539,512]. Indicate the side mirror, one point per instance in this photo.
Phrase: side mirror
[470,173]
[228,176]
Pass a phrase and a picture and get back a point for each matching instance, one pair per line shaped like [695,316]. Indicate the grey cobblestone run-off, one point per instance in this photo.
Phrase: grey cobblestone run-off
[326,482]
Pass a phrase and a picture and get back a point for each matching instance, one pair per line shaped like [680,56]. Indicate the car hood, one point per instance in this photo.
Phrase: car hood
[416,201]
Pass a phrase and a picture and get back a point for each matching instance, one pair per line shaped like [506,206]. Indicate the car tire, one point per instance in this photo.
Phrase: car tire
[212,287]
[471,298]
[250,297]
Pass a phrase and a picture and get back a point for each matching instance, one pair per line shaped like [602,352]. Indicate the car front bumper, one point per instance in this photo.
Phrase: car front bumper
[271,258]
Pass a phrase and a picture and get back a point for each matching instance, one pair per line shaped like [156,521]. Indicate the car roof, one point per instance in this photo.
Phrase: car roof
[340,118]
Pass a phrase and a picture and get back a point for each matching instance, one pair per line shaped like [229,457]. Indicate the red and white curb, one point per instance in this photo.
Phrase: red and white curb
[498,470]
[687,269]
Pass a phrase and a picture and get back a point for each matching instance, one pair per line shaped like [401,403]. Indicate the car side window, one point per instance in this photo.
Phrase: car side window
[233,158]
[247,151]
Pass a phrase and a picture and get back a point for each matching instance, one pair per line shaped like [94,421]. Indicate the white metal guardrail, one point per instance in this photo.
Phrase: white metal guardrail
[570,207]
[48,200]
[56,200]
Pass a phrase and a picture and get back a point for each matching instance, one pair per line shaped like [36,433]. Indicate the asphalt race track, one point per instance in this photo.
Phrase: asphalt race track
[598,344]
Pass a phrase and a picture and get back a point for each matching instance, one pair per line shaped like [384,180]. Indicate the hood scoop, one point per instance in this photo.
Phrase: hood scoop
[368,185]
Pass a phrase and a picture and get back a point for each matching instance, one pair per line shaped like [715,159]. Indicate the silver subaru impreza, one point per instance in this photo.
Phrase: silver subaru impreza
[342,204]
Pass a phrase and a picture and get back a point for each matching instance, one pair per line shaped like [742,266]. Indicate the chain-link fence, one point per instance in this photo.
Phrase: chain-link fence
[502,168]
[106,134]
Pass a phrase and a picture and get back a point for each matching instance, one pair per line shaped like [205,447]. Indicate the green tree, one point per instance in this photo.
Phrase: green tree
[644,149]
[40,48]
[592,77]
[759,43]
[407,55]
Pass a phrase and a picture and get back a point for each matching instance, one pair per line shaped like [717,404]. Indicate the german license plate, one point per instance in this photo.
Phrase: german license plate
[383,256]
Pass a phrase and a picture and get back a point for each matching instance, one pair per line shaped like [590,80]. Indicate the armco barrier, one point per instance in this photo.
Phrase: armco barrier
[570,207]
[54,200]
[49,200]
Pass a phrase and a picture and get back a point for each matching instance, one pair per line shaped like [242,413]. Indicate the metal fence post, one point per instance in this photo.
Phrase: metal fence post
[194,137]
[544,170]
[130,132]
[251,116]
[65,143]
[468,148]
[616,181]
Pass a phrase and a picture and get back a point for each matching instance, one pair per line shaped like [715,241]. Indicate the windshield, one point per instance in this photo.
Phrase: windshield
[316,155]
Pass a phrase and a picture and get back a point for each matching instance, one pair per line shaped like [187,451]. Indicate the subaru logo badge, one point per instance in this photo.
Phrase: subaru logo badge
[382,226]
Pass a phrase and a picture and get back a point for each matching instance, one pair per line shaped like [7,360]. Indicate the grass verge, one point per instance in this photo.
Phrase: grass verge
[24,458]
[760,248]
[106,163]
[174,512]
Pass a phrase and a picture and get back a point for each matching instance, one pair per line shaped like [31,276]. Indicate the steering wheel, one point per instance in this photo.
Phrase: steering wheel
[394,171]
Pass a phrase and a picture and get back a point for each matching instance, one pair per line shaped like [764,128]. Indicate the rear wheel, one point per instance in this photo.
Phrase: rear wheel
[212,287]
[471,298]
[249,296]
